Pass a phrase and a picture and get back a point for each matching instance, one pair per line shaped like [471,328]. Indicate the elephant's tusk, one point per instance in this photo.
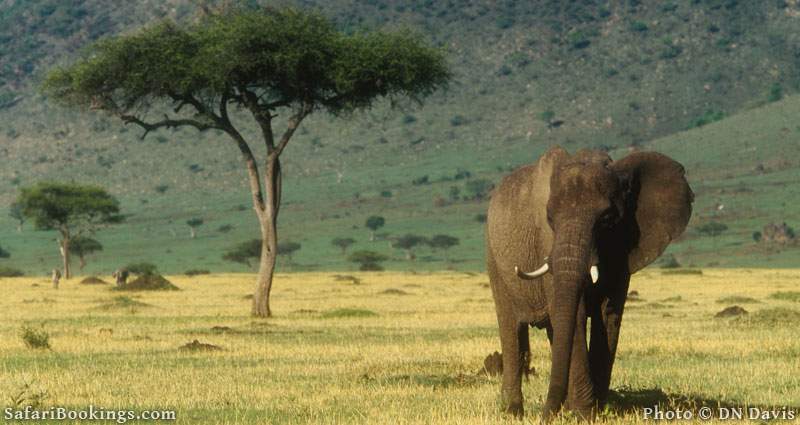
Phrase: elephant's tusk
[594,273]
[534,274]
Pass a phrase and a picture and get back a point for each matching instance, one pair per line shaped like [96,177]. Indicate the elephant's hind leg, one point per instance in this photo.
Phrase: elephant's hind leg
[516,351]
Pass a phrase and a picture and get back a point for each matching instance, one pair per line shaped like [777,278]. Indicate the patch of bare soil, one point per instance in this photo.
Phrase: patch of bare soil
[732,311]
[93,280]
[199,346]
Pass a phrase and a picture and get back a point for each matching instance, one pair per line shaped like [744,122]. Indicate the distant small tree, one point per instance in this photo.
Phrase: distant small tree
[368,260]
[141,268]
[443,242]
[193,224]
[343,243]
[288,248]
[225,228]
[72,210]
[757,236]
[83,246]
[454,193]
[244,252]
[4,253]
[374,223]
[15,212]
[408,242]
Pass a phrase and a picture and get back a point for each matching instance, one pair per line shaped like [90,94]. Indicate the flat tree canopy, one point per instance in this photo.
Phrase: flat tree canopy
[258,62]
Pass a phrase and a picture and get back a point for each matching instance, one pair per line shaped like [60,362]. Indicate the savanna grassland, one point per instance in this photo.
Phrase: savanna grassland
[384,347]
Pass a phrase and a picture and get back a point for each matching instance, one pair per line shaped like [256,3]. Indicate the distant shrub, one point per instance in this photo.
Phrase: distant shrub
[713,229]
[4,253]
[757,236]
[480,218]
[195,272]
[707,118]
[504,70]
[504,22]
[35,338]
[454,193]
[670,262]
[409,119]
[478,189]
[10,272]
[462,174]
[142,268]
[670,52]
[458,120]
[162,188]
[386,194]
[195,168]
[578,40]
[547,116]
[225,228]
[638,26]
[419,181]
[775,93]
[519,59]
[369,260]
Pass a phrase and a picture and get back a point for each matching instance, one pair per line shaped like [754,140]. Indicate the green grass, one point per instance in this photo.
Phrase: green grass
[498,128]
[786,296]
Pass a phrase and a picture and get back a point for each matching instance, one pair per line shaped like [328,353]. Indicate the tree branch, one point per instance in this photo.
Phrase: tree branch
[165,123]
[262,115]
[294,123]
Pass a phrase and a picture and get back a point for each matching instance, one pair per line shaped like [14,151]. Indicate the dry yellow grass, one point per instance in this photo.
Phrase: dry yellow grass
[325,359]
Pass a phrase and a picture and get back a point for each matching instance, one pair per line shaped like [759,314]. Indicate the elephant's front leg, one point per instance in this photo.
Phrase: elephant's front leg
[516,348]
[606,313]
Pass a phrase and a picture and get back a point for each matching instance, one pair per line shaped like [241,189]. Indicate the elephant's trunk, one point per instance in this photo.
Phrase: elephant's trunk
[571,262]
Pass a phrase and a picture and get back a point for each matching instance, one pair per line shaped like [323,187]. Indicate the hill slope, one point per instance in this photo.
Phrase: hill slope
[614,74]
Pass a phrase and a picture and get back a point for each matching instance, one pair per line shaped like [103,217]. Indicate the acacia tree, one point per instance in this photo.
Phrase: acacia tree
[72,210]
[83,246]
[257,62]
[193,224]
[444,242]
[374,222]
[15,212]
[408,242]
[343,243]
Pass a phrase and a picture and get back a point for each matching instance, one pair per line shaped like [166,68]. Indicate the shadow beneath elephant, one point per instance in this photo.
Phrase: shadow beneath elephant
[630,401]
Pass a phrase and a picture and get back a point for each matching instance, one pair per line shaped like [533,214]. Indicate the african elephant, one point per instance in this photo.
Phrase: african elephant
[584,224]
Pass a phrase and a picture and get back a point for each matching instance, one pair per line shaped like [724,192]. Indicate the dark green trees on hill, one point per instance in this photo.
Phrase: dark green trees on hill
[266,63]
[71,210]
[374,223]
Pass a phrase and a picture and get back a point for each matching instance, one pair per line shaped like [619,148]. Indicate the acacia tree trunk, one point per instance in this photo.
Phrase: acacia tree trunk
[268,219]
[64,248]
[192,232]
[82,261]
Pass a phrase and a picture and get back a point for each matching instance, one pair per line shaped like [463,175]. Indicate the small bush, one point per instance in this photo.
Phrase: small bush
[195,272]
[458,120]
[638,26]
[707,118]
[225,228]
[10,272]
[775,93]
[419,181]
[35,338]
[409,119]
[162,188]
[142,268]
[148,282]
[480,218]
[386,194]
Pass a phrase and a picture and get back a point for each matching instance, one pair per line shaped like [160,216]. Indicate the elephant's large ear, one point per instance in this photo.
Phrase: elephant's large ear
[658,204]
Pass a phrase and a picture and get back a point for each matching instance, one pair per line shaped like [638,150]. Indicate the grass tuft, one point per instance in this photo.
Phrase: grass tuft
[348,312]
[35,338]
[786,296]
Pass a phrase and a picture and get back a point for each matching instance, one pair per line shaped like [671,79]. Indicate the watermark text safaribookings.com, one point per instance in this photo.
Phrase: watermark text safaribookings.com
[657,413]
[89,414]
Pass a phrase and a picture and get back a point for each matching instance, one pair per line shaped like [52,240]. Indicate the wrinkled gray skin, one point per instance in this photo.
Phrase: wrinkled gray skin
[576,210]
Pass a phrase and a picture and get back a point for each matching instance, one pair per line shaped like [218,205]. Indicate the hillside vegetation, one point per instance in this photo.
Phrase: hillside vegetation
[707,81]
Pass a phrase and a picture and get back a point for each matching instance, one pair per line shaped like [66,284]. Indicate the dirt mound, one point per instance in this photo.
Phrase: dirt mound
[199,346]
[732,311]
[93,280]
[148,282]
[220,329]
[393,291]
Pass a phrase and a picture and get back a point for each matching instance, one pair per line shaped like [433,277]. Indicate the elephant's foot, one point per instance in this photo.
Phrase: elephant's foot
[583,410]
[515,409]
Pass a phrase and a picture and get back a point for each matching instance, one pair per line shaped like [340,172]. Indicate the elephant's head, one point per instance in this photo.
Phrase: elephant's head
[616,215]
